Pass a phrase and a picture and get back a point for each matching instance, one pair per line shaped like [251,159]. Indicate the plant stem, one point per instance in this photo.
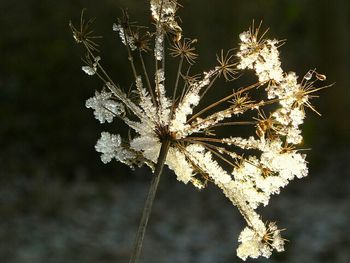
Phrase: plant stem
[147,209]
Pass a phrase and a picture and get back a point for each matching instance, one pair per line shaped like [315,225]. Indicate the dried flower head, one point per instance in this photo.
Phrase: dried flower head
[184,49]
[84,33]
[227,66]
[171,128]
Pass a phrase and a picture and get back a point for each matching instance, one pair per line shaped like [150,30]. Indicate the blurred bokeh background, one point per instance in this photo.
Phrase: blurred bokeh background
[59,203]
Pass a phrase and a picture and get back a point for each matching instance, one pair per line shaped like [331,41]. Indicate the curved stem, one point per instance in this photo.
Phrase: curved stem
[147,209]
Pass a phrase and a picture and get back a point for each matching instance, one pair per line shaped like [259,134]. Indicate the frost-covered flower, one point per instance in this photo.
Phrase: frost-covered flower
[260,55]
[163,11]
[262,243]
[110,146]
[105,108]
[160,113]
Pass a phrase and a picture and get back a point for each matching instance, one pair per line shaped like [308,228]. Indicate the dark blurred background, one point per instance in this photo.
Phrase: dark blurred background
[59,203]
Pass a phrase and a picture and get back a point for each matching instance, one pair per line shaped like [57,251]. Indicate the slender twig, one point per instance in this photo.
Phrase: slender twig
[233,123]
[184,89]
[149,202]
[176,85]
[130,57]
[150,90]
[209,86]
[258,84]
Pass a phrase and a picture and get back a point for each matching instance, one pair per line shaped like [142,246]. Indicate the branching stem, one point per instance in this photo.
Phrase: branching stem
[258,84]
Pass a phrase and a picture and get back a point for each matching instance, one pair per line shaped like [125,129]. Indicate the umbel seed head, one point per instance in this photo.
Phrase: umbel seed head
[249,169]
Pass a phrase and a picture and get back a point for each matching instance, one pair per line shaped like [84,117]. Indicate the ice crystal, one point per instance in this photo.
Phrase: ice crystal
[163,11]
[104,107]
[127,39]
[260,164]
[91,70]
[260,243]
[110,146]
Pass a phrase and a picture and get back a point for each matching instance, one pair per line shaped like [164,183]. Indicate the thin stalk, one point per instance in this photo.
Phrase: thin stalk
[156,80]
[178,77]
[176,85]
[209,86]
[232,123]
[204,139]
[232,111]
[147,209]
[184,89]
[130,57]
[158,33]
[147,78]
[258,84]
[157,90]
